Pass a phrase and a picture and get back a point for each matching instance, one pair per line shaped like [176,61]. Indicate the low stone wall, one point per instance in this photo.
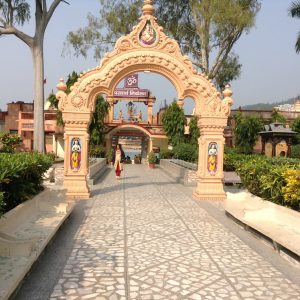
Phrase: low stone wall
[96,170]
[25,231]
[179,173]
[278,223]
[186,173]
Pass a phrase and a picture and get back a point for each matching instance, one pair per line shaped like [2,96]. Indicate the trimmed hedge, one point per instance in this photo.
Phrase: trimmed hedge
[186,152]
[166,154]
[274,179]
[21,176]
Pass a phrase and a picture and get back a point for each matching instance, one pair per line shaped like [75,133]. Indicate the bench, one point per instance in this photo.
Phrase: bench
[25,231]
[280,224]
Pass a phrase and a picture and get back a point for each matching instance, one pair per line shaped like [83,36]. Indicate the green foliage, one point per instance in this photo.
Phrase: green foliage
[295,151]
[166,154]
[54,103]
[173,123]
[294,12]
[96,128]
[277,117]
[96,151]
[109,155]
[231,160]
[295,125]
[9,142]
[230,70]
[186,152]
[72,78]
[291,191]
[200,28]
[18,15]
[151,158]
[246,132]
[21,176]
[194,131]
[274,179]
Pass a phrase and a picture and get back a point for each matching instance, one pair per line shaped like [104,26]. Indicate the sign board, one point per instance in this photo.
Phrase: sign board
[131,93]
[132,81]
[131,89]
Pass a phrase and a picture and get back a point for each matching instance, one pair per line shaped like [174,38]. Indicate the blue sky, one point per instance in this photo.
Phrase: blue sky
[270,70]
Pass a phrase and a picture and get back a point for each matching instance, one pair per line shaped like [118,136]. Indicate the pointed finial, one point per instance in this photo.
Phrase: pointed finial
[227,92]
[148,8]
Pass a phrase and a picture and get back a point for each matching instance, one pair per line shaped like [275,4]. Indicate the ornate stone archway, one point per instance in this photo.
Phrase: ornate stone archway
[145,48]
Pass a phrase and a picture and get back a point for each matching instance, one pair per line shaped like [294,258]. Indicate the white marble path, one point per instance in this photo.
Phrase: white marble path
[145,238]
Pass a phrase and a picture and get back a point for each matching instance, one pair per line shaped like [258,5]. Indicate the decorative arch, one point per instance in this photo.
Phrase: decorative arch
[130,126]
[147,48]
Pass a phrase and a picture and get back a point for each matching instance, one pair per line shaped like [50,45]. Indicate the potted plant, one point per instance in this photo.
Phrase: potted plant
[151,159]
[109,155]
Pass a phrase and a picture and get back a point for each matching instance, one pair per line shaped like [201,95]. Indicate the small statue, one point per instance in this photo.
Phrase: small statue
[121,115]
[140,116]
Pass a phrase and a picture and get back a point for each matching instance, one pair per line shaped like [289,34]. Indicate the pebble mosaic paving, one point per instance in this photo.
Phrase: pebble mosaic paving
[146,239]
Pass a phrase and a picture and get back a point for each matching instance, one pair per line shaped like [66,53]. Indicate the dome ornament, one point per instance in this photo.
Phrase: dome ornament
[148,8]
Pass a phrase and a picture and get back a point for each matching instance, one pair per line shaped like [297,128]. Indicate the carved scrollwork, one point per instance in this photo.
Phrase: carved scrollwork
[62,97]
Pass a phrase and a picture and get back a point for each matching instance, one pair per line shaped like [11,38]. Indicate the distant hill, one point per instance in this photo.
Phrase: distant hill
[269,106]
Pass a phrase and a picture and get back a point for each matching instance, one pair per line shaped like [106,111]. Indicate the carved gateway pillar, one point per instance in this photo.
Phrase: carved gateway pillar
[150,111]
[76,139]
[76,155]
[211,123]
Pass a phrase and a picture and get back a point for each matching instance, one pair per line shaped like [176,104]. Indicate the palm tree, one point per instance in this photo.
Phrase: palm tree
[294,12]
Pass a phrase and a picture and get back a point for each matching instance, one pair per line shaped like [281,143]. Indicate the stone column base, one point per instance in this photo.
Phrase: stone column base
[77,188]
[210,191]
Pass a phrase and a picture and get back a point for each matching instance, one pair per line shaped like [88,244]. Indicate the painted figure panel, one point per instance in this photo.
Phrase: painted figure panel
[212,163]
[75,158]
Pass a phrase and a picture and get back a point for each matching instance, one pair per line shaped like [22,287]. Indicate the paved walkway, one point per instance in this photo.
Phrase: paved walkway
[145,238]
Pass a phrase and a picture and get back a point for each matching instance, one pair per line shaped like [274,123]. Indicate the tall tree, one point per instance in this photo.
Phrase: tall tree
[96,129]
[294,12]
[246,132]
[14,13]
[173,123]
[206,30]
[296,127]
[277,117]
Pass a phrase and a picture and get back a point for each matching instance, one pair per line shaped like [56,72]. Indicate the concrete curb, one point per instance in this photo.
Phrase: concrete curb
[277,223]
[25,231]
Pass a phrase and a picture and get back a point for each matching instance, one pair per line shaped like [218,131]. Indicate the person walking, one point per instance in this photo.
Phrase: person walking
[118,159]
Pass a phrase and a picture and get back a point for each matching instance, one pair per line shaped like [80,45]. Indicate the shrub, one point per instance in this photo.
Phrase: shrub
[109,155]
[295,151]
[21,176]
[275,179]
[291,192]
[186,152]
[166,154]
[96,151]
[151,158]
[9,142]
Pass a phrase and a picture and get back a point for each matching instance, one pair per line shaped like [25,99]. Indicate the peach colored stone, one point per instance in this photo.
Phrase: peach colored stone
[137,52]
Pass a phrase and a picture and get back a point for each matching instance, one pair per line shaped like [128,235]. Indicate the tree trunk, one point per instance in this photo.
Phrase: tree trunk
[38,67]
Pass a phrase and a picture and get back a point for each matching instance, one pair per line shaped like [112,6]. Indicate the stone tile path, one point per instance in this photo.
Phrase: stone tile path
[145,238]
